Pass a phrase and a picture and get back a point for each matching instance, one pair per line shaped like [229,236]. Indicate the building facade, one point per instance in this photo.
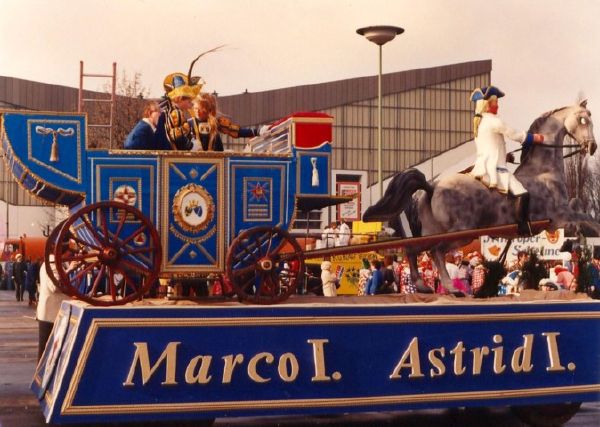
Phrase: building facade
[425,112]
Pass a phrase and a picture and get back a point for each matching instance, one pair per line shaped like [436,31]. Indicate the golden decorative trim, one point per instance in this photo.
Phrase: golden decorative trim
[76,179]
[184,205]
[211,155]
[99,167]
[282,191]
[328,402]
[69,409]
[190,240]
[220,210]
[312,119]
[34,176]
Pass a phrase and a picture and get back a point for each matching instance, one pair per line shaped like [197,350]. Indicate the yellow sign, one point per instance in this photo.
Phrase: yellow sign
[349,265]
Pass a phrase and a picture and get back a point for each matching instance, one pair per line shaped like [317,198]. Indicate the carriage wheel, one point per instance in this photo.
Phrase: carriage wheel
[49,262]
[546,415]
[107,253]
[264,265]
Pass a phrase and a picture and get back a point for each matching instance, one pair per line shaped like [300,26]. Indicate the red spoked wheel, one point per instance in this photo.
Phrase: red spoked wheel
[107,253]
[49,259]
[264,265]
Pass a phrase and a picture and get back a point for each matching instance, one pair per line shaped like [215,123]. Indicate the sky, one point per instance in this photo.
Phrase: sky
[544,52]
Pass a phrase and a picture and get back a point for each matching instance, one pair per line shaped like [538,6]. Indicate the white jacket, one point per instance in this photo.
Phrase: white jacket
[491,147]
[50,298]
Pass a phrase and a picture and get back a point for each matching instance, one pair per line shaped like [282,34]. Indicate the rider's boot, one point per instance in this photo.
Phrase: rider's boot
[522,214]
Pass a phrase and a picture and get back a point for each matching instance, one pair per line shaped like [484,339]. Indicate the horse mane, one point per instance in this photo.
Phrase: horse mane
[535,127]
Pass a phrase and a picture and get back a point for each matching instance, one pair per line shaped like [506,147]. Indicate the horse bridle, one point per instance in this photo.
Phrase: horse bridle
[565,156]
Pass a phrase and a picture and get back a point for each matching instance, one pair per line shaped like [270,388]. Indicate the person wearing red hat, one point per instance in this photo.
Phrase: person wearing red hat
[490,164]
[565,279]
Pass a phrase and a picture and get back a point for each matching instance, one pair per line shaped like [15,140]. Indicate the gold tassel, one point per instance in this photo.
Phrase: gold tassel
[54,148]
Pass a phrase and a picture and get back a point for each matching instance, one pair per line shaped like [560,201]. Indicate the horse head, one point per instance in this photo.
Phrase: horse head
[579,126]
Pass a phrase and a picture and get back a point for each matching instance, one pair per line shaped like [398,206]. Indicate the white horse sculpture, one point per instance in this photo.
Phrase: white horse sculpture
[460,202]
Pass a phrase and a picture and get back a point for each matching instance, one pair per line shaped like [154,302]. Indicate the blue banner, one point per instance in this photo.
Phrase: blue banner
[219,361]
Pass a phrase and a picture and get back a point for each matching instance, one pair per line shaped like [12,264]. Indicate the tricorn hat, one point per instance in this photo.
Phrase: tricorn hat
[485,93]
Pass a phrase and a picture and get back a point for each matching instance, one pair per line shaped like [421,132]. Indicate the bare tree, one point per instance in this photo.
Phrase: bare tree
[582,184]
[129,103]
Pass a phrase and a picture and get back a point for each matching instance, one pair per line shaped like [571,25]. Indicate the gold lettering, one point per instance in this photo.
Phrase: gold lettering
[521,359]
[478,353]
[288,374]
[499,367]
[553,351]
[201,376]
[319,360]
[141,355]
[229,365]
[438,364]
[458,352]
[410,359]
[253,373]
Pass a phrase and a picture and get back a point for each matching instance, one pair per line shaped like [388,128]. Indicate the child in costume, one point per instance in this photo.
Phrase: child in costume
[207,126]
[490,164]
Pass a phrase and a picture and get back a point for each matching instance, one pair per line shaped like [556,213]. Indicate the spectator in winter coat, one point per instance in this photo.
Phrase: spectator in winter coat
[329,280]
[376,280]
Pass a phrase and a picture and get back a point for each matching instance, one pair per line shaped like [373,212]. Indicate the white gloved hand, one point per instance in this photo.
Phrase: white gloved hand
[263,129]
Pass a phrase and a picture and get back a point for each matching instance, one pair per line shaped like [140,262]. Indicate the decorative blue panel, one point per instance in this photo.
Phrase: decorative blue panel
[259,194]
[50,145]
[193,215]
[313,173]
[172,362]
[126,179]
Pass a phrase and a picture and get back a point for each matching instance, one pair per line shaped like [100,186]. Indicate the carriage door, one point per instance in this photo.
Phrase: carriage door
[192,215]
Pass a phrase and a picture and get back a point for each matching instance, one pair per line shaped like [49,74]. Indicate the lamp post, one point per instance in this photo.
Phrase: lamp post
[380,35]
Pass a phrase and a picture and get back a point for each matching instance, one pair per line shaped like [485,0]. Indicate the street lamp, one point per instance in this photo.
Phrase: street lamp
[380,35]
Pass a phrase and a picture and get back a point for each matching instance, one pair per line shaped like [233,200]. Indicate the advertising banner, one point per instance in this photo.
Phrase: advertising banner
[199,362]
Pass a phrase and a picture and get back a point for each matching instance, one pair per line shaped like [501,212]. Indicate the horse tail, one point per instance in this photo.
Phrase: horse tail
[398,196]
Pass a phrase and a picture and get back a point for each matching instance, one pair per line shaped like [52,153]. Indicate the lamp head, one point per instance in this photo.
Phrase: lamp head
[380,34]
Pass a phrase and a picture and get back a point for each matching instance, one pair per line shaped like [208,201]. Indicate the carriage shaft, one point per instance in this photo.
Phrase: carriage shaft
[509,230]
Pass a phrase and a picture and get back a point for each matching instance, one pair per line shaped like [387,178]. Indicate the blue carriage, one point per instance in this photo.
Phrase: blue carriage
[140,215]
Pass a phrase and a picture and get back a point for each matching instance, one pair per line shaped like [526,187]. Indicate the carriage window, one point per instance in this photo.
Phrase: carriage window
[312,223]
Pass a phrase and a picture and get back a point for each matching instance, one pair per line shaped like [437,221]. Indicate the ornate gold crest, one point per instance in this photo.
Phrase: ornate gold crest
[193,208]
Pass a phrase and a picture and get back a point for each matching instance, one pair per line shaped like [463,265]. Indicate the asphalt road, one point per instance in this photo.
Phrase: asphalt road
[19,407]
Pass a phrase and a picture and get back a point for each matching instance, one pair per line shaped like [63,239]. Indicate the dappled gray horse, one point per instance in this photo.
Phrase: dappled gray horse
[461,202]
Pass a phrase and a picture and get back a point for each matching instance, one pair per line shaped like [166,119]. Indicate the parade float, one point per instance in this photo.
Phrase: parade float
[136,216]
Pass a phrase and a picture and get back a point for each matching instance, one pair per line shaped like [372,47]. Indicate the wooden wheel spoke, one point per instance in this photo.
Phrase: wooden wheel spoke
[77,239]
[244,270]
[140,269]
[248,283]
[134,251]
[79,257]
[103,224]
[120,226]
[127,279]
[267,287]
[81,274]
[239,257]
[93,230]
[270,243]
[101,274]
[111,283]
[134,234]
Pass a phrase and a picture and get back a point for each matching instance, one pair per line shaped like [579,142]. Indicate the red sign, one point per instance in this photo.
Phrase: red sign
[349,211]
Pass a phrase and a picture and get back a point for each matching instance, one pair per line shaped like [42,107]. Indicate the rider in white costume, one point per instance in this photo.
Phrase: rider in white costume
[490,164]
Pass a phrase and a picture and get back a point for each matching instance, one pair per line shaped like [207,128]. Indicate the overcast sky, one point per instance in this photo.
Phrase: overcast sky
[544,52]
